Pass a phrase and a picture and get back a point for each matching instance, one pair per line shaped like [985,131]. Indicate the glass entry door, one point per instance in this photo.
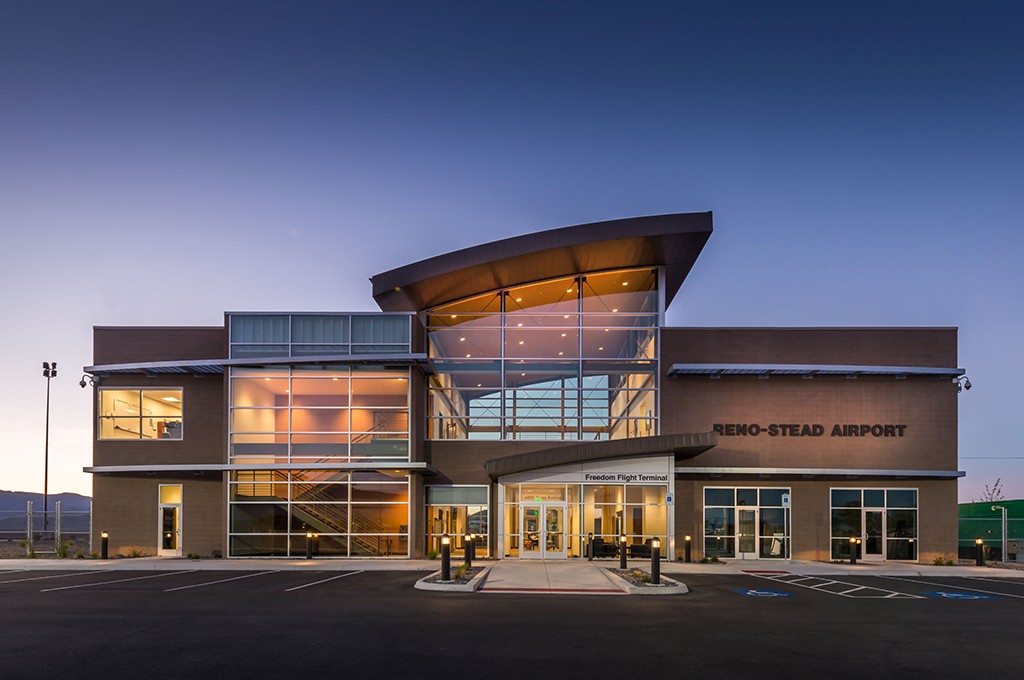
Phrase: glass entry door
[169,521]
[874,535]
[746,533]
[543,531]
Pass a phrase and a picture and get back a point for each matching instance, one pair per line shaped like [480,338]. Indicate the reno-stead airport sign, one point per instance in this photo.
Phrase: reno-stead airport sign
[807,430]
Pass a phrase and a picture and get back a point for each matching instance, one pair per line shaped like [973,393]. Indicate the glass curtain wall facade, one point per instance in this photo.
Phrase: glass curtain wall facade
[318,416]
[566,359]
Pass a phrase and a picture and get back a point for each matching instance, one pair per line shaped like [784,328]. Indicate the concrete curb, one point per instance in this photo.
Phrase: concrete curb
[670,587]
[473,585]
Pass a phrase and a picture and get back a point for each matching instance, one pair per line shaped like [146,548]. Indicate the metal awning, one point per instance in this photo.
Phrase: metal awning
[418,467]
[810,473]
[215,366]
[809,370]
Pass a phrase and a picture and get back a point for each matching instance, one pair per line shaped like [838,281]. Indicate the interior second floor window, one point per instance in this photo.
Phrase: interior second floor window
[137,413]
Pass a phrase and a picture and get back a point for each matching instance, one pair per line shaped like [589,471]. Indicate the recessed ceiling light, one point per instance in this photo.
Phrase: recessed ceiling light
[468,355]
[455,316]
[563,335]
[566,316]
[561,353]
[171,399]
[615,310]
[334,379]
[462,339]
[521,342]
[479,385]
[568,290]
[519,324]
[519,299]
[601,348]
[522,374]
[267,379]
[625,283]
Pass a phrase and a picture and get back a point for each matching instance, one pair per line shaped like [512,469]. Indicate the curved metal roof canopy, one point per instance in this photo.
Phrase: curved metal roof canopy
[671,241]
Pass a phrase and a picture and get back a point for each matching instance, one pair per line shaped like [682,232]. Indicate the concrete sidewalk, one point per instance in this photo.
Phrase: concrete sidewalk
[540,574]
[554,576]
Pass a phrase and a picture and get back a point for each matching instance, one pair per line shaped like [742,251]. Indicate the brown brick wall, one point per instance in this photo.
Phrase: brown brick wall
[129,345]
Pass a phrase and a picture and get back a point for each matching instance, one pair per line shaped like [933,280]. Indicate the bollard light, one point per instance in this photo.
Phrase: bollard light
[446,557]
[622,551]
[104,545]
[309,545]
[689,540]
[590,546]
[656,561]
[853,550]
[467,543]
[979,558]
[472,545]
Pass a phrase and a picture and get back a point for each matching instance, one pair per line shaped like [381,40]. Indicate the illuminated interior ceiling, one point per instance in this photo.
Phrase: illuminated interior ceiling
[671,241]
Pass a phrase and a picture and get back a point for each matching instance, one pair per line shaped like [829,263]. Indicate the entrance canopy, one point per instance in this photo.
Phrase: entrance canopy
[682,446]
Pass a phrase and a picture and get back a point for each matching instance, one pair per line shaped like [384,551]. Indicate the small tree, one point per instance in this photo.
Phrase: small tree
[993,493]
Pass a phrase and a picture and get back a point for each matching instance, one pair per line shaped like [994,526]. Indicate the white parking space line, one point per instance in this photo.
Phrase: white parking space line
[996,579]
[821,587]
[40,578]
[120,580]
[223,580]
[316,583]
[957,587]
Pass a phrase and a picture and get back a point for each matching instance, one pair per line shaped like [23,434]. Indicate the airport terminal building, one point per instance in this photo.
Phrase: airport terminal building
[528,391]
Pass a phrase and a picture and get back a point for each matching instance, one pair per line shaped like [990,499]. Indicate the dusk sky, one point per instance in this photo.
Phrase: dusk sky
[162,162]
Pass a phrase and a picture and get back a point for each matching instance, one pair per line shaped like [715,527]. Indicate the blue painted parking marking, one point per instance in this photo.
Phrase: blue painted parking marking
[763,593]
[957,595]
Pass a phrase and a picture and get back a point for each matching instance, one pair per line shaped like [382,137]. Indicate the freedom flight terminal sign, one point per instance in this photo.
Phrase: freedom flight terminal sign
[809,430]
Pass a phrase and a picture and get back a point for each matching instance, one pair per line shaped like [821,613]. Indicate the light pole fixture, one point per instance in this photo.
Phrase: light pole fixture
[962,383]
[49,371]
[90,380]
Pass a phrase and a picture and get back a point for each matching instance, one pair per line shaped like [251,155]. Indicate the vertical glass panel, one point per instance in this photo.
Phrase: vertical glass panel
[747,526]
[320,329]
[627,291]
[719,496]
[320,392]
[901,523]
[259,328]
[170,494]
[384,519]
[114,402]
[845,498]
[531,529]
[536,301]
[320,420]
[873,537]
[253,518]
[266,391]
[719,522]
[746,496]
[874,498]
[772,497]
[259,420]
[845,522]
[902,498]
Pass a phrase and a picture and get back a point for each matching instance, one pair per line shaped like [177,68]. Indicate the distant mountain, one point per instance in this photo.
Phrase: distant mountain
[14,501]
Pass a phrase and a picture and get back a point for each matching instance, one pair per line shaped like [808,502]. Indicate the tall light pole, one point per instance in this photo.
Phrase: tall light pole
[49,371]
[1006,547]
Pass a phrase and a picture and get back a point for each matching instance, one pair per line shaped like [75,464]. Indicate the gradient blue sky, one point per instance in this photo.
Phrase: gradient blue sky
[162,162]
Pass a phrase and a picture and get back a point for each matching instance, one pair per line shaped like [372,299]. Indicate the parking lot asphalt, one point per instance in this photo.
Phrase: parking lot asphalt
[367,624]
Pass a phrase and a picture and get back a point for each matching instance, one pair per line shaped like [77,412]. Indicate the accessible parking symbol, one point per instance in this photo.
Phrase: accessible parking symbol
[958,595]
[763,593]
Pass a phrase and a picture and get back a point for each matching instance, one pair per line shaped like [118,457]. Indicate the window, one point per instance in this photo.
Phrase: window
[753,522]
[138,413]
[457,510]
[884,520]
